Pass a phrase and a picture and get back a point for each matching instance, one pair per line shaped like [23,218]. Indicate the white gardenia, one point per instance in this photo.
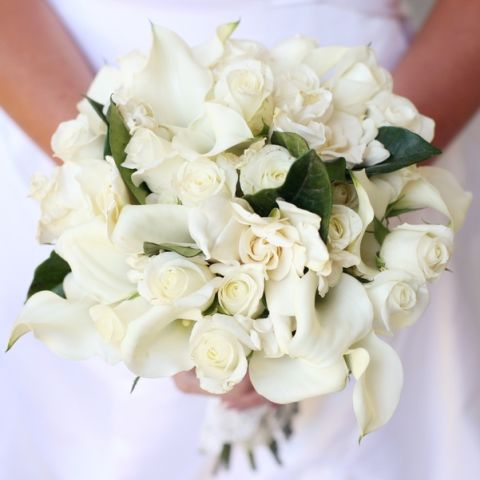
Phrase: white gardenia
[170,279]
[267,168]
[178,245]
[219,348]
[387,108]
[287,240]
[421,250]
[201,179]
[242,288]
[398,300]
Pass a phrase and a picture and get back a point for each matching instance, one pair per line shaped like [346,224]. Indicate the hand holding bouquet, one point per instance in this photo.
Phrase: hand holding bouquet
[235,210]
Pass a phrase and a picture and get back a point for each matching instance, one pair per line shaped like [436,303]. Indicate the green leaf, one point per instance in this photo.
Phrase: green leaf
[264,201]
[239,148]
[293,142]
[273,447]
[150,249]
[134,384]
[380,264]
[395,212]
[405,147]
[307,186]
[118,138]
[380,230]
[225,455]
[251,459]
[49,275]
[98,107]
[212,309]
[337,169]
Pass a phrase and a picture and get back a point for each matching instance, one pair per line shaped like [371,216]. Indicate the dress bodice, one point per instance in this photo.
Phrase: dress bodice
[118,26]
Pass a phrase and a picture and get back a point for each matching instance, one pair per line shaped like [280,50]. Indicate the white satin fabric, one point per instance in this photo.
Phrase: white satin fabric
[74,421]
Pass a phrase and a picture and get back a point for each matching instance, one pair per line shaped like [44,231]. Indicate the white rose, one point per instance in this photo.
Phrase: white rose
[75,140]
[244,86]
[267,168]
[398,300]
[200,179]
[344,194]
[345,226]
[421,250]
[241,290]
[75,194]
[170,279]
[219,346]
[387,108]
[146,149]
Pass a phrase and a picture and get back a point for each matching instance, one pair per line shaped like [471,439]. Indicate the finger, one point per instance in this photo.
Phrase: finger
[249,400]
[187,382]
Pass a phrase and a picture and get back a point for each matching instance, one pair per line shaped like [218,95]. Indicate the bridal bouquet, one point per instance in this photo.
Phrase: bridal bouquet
[243,211]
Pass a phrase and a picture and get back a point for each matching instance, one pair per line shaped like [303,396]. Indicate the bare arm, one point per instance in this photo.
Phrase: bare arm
[441,70]
[42,71]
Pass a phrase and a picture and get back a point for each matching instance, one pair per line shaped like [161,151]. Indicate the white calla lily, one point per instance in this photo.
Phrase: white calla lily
[323,332]
[172,83]
[65,327]
[379,374]
[289,379]
[437,188]
[218,129]
[157,343]
[209,53]
[379,193]
[366,214]
[150,223]
[97,265]
[216,230]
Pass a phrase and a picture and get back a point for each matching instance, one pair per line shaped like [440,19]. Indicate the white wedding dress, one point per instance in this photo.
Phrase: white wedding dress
[62,420]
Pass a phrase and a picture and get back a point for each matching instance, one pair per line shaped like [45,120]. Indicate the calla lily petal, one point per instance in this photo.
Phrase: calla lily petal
[65,327]
[379,374]
[157,343]
[287,380]
[172,83]
[438,189]
[159,223]
[325,330]
[209,53]
[366,213]
[97,265]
